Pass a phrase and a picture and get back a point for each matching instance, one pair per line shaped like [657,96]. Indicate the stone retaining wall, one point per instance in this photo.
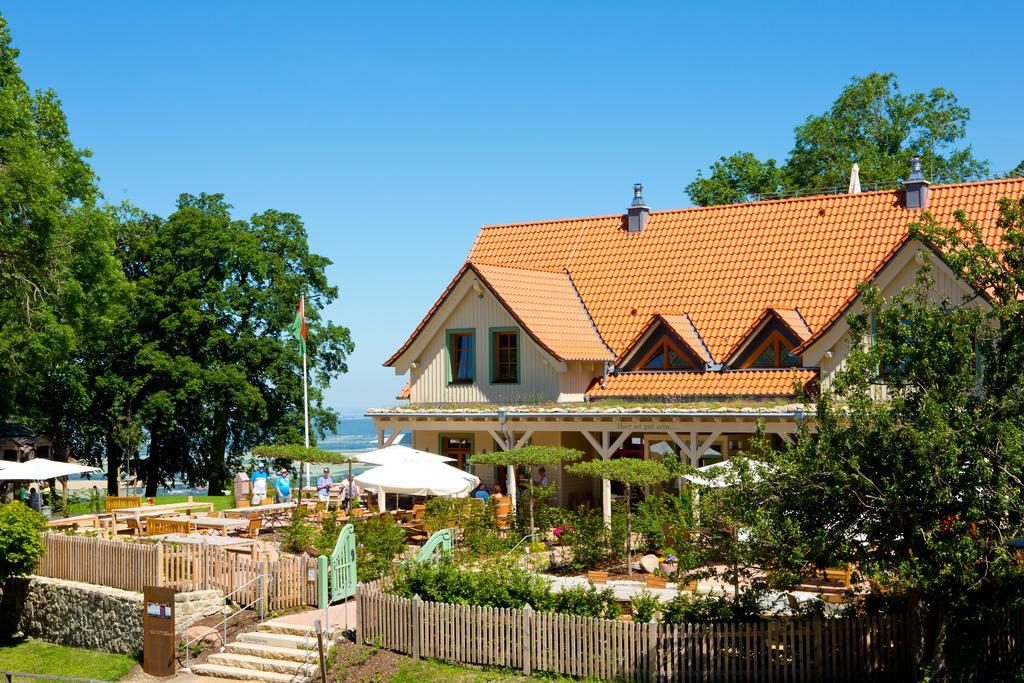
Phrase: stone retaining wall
[87,615]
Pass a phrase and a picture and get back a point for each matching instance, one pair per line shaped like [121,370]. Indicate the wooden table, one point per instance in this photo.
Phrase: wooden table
[222,524]
[164,509]
[275,512]
[228,542]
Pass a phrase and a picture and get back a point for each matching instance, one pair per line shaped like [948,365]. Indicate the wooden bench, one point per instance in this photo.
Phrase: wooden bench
[121,502]
[843,575]
[597,577]
[158,526]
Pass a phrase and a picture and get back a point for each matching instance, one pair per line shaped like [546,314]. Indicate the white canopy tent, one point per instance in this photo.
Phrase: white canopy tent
[417,479]
[41,469]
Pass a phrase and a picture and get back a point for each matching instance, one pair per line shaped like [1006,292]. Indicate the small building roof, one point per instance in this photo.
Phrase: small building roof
[681,386]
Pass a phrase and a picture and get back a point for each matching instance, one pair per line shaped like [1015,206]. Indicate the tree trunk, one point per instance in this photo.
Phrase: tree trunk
[115,457]
[217,477]
[156,451]
[533,529]
[629,536]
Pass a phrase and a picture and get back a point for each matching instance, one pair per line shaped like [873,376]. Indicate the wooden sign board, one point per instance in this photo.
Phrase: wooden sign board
[158,638]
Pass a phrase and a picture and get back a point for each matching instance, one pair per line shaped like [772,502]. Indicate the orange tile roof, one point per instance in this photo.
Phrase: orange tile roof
[690,385]
[406,392]
[684,328]
[724,265]
[547,306]
[792,319]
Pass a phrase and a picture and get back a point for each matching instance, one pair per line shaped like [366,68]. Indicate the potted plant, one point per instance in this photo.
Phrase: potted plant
[668,562]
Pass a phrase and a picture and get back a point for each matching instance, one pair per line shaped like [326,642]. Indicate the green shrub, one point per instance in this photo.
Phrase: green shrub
[645,606]
[655,513]
[587,538]
[711,607]
[587,601]
[298,537]
[379,540]
[327,537]
[499,584]
[21,543]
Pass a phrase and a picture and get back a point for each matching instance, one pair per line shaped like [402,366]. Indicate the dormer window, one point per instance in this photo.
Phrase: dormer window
[775,353]
[666,356]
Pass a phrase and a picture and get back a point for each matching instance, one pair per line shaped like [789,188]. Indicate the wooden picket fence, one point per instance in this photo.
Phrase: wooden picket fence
[130,566]
[783,649]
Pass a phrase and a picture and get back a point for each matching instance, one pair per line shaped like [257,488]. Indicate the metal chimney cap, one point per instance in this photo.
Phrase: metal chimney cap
[915,169]
[638,194]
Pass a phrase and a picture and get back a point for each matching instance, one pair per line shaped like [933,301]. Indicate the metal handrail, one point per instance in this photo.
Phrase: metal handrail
[262,578]
[297,676]
[537,535]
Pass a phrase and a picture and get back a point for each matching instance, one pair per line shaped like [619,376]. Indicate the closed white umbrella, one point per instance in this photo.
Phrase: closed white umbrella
[41,469]
[417,479]
[400,454]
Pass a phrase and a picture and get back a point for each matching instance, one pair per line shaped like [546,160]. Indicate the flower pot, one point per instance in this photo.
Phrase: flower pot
[669,568]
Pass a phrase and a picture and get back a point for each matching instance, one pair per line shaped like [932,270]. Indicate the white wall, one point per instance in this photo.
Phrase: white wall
[468,308]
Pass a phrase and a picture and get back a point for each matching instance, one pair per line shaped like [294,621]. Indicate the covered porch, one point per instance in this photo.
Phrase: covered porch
[700,436]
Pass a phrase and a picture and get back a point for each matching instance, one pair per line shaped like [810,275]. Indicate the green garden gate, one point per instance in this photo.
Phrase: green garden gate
[439,543]
[336,575]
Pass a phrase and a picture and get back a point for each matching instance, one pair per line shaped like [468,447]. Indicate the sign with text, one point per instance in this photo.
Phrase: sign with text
[158,637]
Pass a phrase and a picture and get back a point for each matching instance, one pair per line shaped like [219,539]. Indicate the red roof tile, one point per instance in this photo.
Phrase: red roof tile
[697,385]
[725,265]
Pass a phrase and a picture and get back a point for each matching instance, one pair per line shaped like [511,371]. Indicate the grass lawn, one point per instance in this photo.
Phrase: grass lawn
[38,657]
[350,662]
[219,502]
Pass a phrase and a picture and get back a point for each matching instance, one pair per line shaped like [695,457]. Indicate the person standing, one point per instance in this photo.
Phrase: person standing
[323,486]
[350,491]
[34,500]
[259,484]
[284,487]
[543,481]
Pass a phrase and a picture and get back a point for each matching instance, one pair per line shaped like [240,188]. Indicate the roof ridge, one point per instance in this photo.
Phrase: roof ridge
[586,310]
[761,202]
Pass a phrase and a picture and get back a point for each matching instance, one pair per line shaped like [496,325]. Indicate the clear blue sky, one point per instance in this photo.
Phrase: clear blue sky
[397,129]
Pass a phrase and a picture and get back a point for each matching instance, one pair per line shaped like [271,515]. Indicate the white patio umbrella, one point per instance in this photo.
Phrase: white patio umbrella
[417,479]
[400,454]
[721,474]
[41,469]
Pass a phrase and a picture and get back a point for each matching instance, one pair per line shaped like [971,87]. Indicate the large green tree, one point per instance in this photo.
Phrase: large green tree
[57,272]
[873,123]
[915,471]
[214,369]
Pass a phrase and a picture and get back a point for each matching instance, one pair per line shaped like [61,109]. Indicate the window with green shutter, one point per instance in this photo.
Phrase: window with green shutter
[505,356]
[461,362]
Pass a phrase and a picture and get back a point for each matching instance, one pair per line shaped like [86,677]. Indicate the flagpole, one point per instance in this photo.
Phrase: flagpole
[305,383]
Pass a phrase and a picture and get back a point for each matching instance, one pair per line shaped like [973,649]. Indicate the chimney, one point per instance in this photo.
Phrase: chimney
[638,212]
[915,188]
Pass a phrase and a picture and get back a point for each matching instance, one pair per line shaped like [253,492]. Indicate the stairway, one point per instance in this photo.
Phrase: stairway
[276,652]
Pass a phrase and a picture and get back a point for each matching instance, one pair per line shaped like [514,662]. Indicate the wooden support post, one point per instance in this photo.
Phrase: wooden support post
[652,650]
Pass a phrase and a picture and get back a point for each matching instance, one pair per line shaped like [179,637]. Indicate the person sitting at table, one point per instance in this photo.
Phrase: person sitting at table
[323,486]
[481,492]
[284,487]
[259,484]
[496,490]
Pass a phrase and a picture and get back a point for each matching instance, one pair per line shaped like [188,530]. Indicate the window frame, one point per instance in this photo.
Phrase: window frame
[664,346]
[778,342]
[449,335]
[493,360]
[461,436]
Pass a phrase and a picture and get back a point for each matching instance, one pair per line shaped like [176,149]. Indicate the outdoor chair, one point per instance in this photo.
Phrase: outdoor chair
[652,581]
[135,526]
[342,516]
[253,530]
[242,502]
[843,575]
[597,577]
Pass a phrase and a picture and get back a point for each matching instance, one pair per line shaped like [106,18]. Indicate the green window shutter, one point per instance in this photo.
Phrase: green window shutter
[494,354]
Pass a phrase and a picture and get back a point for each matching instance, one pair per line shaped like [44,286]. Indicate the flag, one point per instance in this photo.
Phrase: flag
[298,328]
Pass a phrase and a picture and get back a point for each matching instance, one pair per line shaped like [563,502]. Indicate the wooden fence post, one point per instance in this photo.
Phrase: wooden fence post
[360,617]
[652,650]
[527,639]
[160,563]
[818,650]
[417,605]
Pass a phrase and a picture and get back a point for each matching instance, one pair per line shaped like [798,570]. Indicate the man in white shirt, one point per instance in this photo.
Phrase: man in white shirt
[323,486]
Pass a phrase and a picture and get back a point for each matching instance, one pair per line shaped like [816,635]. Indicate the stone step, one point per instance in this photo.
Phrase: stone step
[291,629]
[278,640]
[280,666]
[237,674]
[266,651]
